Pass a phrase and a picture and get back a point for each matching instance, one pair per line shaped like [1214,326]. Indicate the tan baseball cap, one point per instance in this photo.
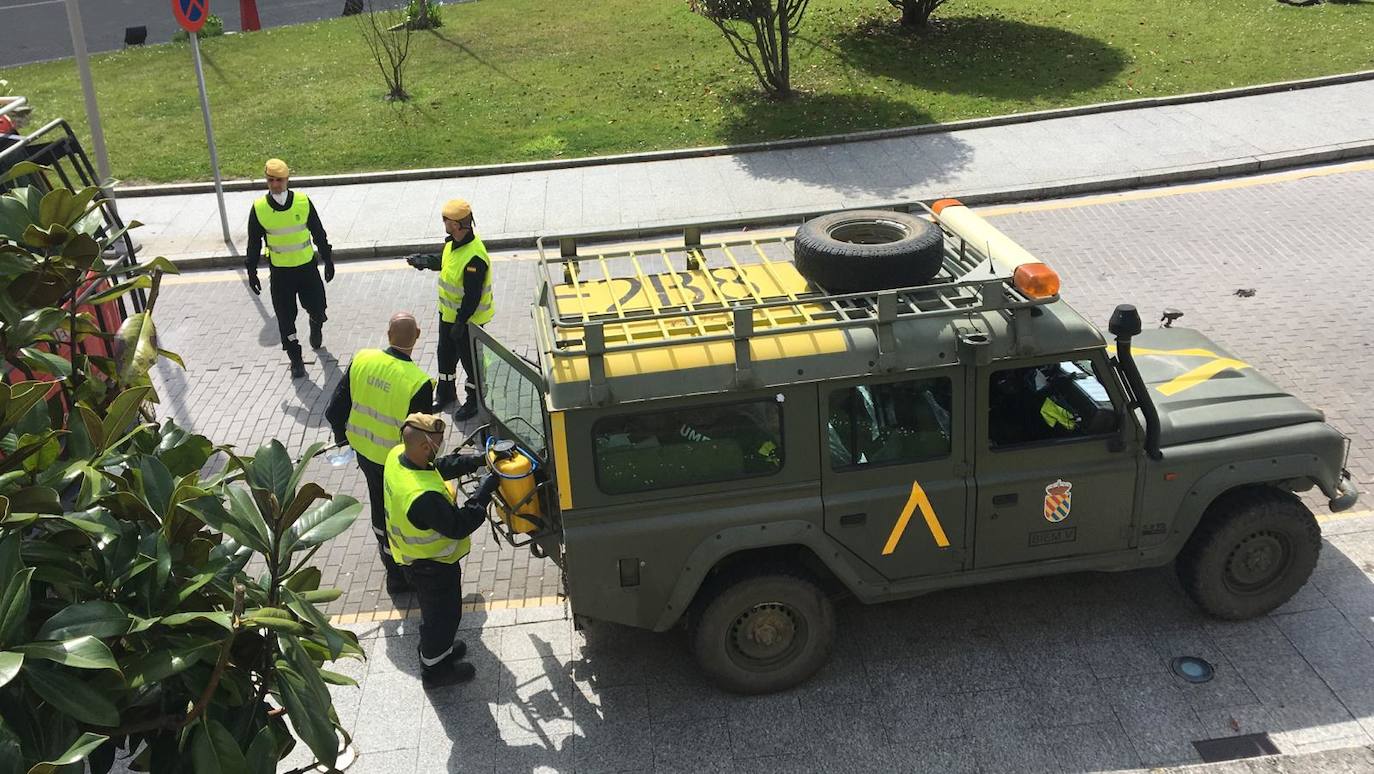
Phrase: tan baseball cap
[277,168]
[429,423]
[457,209]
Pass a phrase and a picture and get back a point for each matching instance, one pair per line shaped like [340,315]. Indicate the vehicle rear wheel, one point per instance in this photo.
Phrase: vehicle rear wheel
[868,250]
[1252,552]
[764,633]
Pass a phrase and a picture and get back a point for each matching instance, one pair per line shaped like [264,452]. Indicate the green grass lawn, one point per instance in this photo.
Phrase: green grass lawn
[509,80]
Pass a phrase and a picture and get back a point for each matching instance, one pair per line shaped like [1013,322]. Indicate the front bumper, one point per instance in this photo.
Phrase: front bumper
[1346,494]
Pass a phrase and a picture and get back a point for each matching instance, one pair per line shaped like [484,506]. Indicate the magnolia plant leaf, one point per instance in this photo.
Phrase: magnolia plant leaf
[305,496]
[63,207]
[42,362]
[79,653]
[122,412]
[136,347]
[46,237]
[324,521]
[214,750]
[10,662]
[303,463]
[79,749]
[309,713]
[262,753]
[14,604]
[312,615]
[162,664]
[95,618]
[71,696]
[220,618]
[271,469]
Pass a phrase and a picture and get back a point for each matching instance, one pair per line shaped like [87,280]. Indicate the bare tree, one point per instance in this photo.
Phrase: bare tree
[760,33]
[916,13]
[388,38]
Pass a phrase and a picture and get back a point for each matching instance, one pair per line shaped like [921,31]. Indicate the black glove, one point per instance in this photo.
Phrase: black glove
[254,284]
[484,492]
[418,261]
[328,270]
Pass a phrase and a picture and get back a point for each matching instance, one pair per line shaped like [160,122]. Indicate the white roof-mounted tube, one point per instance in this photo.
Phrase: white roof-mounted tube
[983,236]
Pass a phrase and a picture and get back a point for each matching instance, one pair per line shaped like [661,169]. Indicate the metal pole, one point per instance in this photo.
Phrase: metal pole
[83,65]
[210,137]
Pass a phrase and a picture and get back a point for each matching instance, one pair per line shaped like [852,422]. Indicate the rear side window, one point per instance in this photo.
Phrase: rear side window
[895,422]
[681,447]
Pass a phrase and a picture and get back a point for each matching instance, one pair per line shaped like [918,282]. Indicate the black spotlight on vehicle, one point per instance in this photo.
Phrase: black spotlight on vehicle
[135,36]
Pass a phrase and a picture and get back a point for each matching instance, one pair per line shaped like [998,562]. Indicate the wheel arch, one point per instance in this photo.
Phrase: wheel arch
[1285,474]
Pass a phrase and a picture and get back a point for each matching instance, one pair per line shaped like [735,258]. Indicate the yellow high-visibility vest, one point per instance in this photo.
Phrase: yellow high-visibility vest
[288,237]
[452,266]
[410,543]
[381,387]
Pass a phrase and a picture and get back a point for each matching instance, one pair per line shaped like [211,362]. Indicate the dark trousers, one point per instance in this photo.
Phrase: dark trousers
[439,590]
[455,346]
[376,499]
[288,284]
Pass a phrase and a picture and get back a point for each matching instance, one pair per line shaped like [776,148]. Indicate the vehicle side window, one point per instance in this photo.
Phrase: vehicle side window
[695,445]
[877,424]
[1048,402]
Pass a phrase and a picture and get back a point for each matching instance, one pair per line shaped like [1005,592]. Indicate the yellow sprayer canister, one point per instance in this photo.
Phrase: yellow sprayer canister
[517,482]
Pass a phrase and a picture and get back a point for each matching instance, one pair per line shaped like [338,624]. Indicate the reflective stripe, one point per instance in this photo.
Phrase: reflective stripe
[418,541]
[377,415]
[452,306]
[433,661]
[451,289]
[287,230]
[379,532]
[369,435]
[291,248]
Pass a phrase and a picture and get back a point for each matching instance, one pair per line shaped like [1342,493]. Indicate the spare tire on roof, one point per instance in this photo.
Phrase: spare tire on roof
[846,252]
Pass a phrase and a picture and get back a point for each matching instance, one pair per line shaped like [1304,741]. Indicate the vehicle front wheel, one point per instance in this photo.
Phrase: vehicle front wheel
[1252,552]
[764,633]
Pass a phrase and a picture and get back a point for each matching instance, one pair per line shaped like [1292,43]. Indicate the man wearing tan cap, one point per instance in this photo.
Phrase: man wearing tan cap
[428,534]
[378,390]
[288,222]
[464,297]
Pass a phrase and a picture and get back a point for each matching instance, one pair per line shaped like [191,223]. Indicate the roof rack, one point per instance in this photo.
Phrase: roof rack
[651,296]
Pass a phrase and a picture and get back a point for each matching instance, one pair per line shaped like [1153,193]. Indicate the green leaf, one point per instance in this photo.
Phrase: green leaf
[219,618]
[240,521]
[308,713]
[94,430]
[11,751]
[334,678]
[283,625]
[312,615]
[271,470]
[45,237]
[80,653]
[23,397]
[71,696]
[39,459]
[95,618]
[14,604]
[9,666]
[9,555]
[262,753]
[305,496]
[304,464]
[162,664]
[78,751]
[321,595]
[35,499]
[122,412]
[321,523]
[45,362]
[120,290]
[157,484]
[159,263]
[172,356]
[305,579]
[214,751]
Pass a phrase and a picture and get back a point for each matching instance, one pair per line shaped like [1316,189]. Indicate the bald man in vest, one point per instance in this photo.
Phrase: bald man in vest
[464,297]
[380,388]
[288,223]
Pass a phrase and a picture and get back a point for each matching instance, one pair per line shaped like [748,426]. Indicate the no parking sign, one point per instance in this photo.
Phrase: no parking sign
[191,14]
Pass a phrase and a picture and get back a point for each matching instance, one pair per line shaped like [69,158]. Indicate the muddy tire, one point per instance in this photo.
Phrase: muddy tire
[1251,553]
[763,633]
[868,250]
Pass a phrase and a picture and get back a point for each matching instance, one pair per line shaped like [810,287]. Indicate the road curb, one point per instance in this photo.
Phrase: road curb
[436,173]
[978,197]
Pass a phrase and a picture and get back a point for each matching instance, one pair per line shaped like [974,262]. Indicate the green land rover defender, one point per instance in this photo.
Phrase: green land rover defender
[728,435]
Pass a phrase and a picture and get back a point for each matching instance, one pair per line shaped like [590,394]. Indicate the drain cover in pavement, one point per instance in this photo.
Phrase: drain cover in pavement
[1192,669]
[1234,748]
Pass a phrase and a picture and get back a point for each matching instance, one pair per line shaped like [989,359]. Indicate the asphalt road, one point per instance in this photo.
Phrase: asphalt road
[36,30]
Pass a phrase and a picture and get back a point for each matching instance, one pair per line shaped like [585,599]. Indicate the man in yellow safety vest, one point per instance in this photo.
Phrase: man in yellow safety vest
[465,296]
[378,390]
[288,223]
[428,532]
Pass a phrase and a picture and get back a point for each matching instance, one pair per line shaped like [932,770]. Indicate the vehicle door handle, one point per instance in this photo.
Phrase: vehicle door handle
[1004,499]
[853,519]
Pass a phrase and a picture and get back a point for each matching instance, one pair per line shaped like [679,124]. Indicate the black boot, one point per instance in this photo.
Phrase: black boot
[446,393]
[316,333]
[297,364]
[466,411]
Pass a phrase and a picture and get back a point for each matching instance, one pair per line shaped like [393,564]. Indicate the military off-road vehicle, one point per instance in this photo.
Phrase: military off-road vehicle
[728,435]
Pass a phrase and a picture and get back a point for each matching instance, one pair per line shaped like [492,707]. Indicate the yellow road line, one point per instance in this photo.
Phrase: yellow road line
[1347,515]
[1159,193]
[367,616]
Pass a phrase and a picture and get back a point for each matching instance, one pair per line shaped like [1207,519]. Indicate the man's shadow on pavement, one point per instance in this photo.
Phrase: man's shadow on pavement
[312,398]
[269,335]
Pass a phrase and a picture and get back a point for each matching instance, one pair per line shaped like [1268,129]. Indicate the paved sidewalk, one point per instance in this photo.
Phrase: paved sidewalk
[1056,156]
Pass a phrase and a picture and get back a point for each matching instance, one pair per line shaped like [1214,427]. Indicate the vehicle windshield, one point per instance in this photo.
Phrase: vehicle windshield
[512,394]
